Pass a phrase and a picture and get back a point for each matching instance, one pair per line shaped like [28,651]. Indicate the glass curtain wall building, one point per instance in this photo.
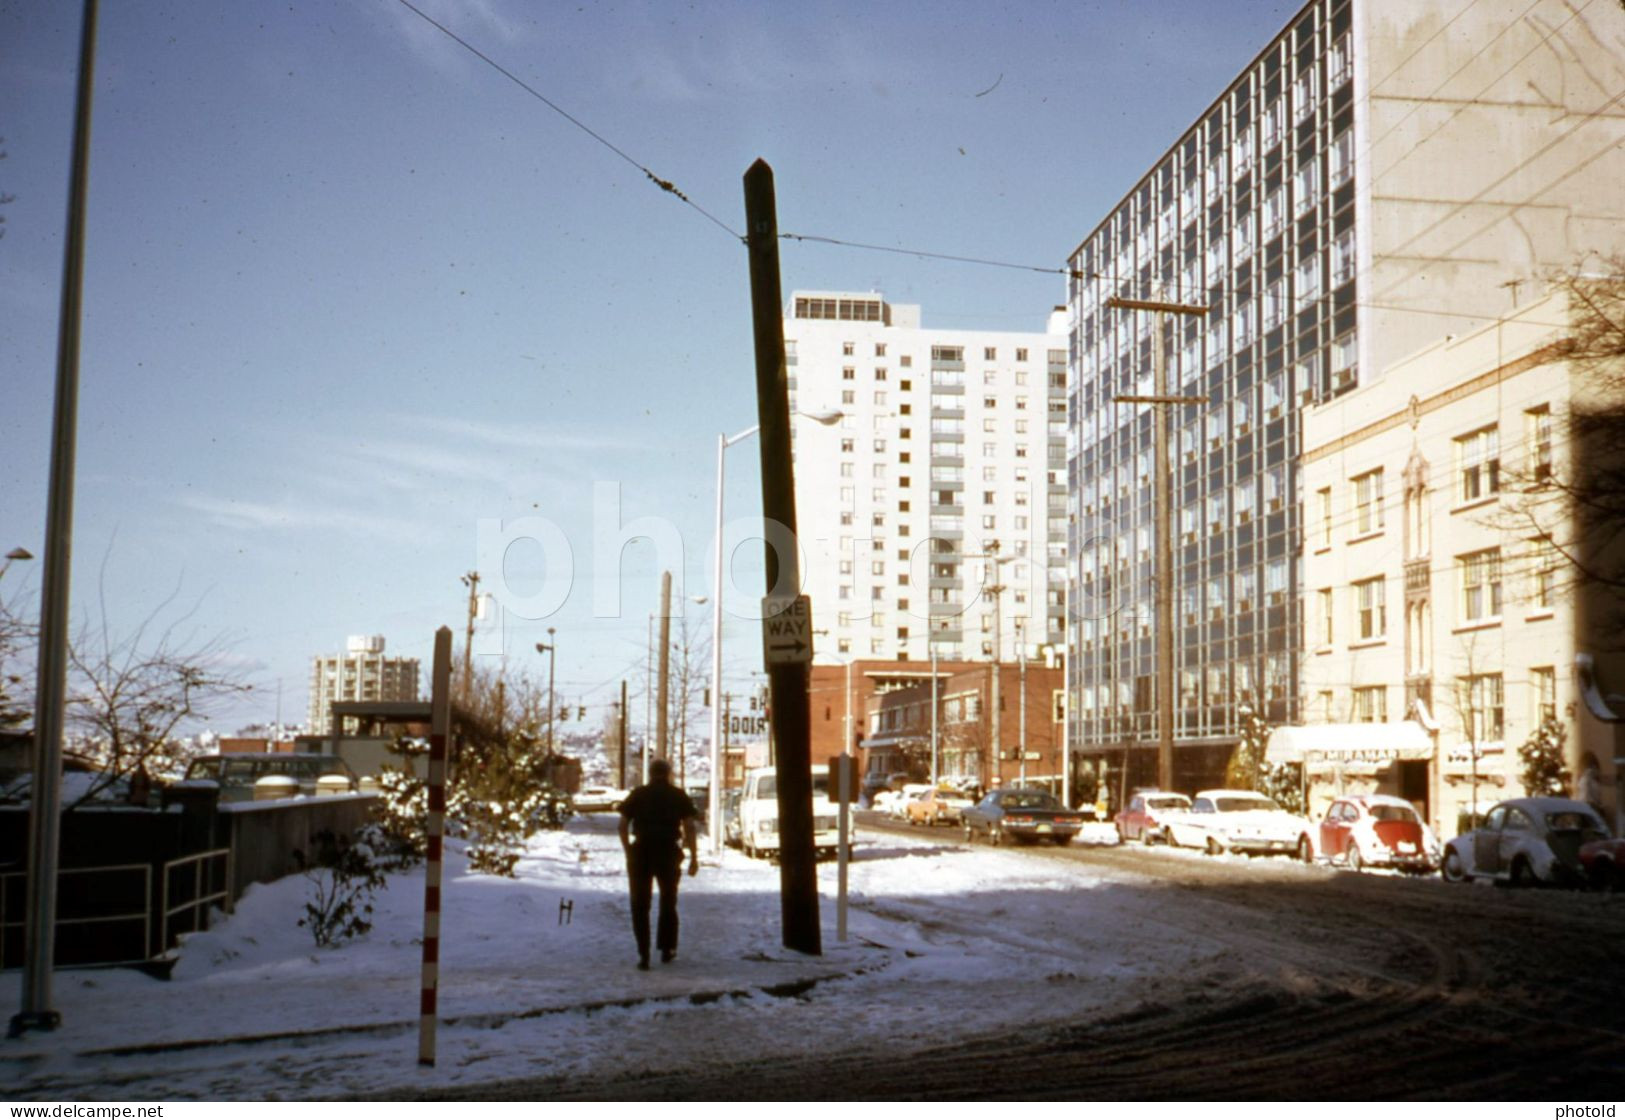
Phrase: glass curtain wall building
[1251,215]
[1383,175]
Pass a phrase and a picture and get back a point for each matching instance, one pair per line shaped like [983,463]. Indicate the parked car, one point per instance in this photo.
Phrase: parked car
[759,813]
[730,817]
[878,782]
[599,799]
[1525,841]
[897,805]
[1604,863]
[1238,820]
[1145,818]
[236,773]
[938,805]
[1375,830]
[1023,815]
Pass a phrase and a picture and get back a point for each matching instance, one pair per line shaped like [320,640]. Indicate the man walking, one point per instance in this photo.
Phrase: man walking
[654,818]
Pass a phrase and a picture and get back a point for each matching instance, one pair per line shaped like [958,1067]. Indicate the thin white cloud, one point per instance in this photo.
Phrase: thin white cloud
[529,436]
[286,515]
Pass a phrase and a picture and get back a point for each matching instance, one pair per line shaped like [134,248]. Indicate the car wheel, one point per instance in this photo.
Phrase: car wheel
[995,836]
[970,836]
[1452,870]
[1145,837]
[1306,850]
[1122,835]
[1355,860]
[1214,848]
[1522,875]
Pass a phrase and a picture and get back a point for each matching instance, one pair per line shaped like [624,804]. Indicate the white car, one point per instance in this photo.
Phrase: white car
[1525,841]
[759,813]
[598,799]
[897,807]
[1237,820]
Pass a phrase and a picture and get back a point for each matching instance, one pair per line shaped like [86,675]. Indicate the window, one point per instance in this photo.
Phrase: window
[1370,609]
[1478,462]
[1270,125]
[1341,157]
[1416,522]
[906,361]
[1327,629]
[1305,187]
[1538,423]
[1480,585]
[848,396]
[849,374]
[847,349]
[1371,704]
[1306,281]
[1323,513]
[1542,573]
[1344,356]
[1543,694]
[1367,502]
[880,349]
[1483,706]
[990,354]
[1274,305]
[1274,212]
[1303,95]
[1343,260]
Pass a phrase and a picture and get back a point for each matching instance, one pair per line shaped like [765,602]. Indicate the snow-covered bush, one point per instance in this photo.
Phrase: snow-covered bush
[497,796]
[344,874]
[1541,756]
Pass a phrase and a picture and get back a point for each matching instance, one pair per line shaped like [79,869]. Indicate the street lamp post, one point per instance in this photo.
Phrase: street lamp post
[18,553]
[550,648]
[825,417]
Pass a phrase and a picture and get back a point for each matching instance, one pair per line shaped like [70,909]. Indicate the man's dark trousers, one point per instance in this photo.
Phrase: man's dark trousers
[645,866]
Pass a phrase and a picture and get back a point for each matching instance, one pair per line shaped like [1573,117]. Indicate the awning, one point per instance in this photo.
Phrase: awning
[1371,744]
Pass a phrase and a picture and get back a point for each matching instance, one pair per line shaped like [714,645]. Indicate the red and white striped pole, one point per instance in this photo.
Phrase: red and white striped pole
[435,829]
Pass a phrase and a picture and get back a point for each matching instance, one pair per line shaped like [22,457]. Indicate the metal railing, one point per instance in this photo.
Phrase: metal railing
[9,881]
[199,901]
[204,881]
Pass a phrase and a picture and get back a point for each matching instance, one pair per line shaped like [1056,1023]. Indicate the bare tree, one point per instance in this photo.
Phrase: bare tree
[18,636]
[691,673]
[130,696]
[1574,501]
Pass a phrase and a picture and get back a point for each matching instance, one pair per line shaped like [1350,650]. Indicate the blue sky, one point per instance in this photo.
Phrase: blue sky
[349,291]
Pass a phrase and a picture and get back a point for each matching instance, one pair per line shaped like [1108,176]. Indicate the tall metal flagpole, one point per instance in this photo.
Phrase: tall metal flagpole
[45,808]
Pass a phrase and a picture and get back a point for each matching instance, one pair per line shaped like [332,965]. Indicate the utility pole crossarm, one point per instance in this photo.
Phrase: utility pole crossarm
[1155,305]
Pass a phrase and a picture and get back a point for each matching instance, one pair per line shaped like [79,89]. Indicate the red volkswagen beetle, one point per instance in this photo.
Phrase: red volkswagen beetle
[1376,830]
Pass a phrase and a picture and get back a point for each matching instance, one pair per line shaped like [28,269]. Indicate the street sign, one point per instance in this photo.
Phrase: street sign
[787,630]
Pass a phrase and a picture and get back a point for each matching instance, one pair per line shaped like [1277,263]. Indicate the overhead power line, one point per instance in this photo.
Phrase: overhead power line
[664,184]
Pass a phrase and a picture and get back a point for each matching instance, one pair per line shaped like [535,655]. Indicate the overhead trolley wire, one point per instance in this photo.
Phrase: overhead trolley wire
[664,184]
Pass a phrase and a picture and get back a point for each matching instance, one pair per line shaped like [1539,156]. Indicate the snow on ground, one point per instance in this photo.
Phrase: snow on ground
[944,941]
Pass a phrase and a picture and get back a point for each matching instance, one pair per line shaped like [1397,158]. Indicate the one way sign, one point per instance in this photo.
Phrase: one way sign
[787,630]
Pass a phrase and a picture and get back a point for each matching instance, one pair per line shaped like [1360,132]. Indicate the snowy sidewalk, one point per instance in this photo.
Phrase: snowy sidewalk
[255,1011]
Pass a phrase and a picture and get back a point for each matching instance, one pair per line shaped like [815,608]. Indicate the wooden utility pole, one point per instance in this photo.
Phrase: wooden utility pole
[662,711]
[625,742]
[789,715]
[472,581]
[1162,401]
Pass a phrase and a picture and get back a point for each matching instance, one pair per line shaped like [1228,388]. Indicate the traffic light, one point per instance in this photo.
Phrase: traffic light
[581,712]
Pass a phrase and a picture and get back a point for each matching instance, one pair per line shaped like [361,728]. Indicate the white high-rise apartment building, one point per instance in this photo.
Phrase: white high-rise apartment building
[1383,174]
[362,672]
[934,515]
